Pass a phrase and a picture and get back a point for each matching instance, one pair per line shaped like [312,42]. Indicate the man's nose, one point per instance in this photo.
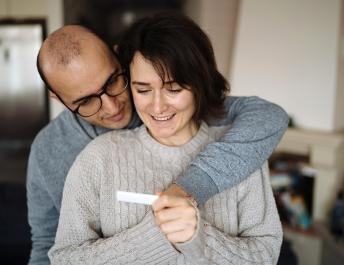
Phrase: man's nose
[109,104]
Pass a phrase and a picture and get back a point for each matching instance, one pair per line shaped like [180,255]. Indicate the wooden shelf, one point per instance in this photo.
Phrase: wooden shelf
[326,156]
[310,232]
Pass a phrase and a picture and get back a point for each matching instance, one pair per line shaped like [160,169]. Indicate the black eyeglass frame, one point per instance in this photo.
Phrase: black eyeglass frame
[103,90]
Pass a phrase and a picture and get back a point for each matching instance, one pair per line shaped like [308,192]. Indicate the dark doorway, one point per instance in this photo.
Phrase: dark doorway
[23,112]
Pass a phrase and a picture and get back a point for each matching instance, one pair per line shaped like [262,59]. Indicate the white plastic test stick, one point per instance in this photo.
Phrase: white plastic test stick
[124,196]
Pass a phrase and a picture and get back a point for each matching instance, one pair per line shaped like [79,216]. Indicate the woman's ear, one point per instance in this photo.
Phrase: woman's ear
[115,48]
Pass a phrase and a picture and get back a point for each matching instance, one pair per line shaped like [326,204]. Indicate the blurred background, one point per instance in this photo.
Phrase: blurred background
[289,52]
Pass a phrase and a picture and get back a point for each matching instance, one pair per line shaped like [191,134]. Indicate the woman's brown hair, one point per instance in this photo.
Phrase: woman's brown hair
[178,48]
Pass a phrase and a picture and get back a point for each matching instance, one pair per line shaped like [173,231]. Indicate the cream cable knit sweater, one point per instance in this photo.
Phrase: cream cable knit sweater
[238,226]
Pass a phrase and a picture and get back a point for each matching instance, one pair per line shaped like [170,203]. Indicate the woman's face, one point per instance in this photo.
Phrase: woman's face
[165,108]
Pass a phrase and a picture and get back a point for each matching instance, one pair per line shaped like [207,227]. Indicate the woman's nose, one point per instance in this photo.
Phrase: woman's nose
[159,103]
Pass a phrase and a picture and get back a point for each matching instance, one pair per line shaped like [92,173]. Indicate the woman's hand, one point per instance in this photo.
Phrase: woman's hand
[175,190]
[176,216]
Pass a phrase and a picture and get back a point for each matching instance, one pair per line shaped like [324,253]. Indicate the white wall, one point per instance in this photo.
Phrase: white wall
[3,8]
[52,10]
[217,18]
[339,109]
[287,52]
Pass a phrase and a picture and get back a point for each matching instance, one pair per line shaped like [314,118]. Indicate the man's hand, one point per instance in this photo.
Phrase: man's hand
[175,190]
[176,216]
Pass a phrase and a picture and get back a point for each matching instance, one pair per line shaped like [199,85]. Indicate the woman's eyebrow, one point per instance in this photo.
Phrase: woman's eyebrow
[148,84]
[169,82]
[140,83]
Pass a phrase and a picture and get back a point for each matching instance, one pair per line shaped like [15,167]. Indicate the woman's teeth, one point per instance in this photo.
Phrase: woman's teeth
[165,118]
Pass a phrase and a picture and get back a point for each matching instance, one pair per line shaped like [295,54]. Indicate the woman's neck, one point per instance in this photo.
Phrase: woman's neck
[179,138]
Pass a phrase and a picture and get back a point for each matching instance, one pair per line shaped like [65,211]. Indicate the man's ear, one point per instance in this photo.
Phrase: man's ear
[53,95]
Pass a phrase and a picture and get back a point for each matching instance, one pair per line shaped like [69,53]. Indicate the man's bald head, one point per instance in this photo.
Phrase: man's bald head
[64,46]
[76,65]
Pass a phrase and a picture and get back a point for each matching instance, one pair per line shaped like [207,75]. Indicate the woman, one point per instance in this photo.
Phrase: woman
[176,90]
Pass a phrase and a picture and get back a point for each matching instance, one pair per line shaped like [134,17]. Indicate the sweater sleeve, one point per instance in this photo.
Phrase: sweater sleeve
[259,236]
[79,237]
[42,213]
[256,128]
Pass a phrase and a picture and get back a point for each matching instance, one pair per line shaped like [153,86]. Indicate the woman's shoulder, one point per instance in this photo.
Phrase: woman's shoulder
[114,137]
[101,151]
[103,144]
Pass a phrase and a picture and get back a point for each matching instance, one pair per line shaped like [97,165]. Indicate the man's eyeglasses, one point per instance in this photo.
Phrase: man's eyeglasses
[115,85]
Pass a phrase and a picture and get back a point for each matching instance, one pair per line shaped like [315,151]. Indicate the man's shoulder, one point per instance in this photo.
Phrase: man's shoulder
[55,148]
[216,132]
[52,130]
[61,136]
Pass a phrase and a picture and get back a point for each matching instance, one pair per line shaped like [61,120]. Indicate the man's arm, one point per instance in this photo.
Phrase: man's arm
[259,233]
[256,128]
[42,214]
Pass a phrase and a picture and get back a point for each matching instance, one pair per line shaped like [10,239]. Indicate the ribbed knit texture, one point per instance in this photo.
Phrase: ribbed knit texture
[256,128]
[238,226]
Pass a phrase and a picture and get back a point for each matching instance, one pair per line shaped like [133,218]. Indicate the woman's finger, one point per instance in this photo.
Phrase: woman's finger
[180,212]
[181,236]
[168,201]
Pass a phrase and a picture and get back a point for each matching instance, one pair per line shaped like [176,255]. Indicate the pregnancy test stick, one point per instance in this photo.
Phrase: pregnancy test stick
[124,196]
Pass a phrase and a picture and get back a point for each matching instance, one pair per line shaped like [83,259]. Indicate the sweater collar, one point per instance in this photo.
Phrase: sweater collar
[201,138]
[92,131]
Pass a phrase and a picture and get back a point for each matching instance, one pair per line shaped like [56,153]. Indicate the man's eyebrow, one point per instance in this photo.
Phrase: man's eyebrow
[80,99]
[100,89]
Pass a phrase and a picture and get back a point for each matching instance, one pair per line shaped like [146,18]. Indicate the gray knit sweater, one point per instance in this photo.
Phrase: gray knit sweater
[237,226]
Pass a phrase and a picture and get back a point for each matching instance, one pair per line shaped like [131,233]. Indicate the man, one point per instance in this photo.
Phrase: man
[84,75]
